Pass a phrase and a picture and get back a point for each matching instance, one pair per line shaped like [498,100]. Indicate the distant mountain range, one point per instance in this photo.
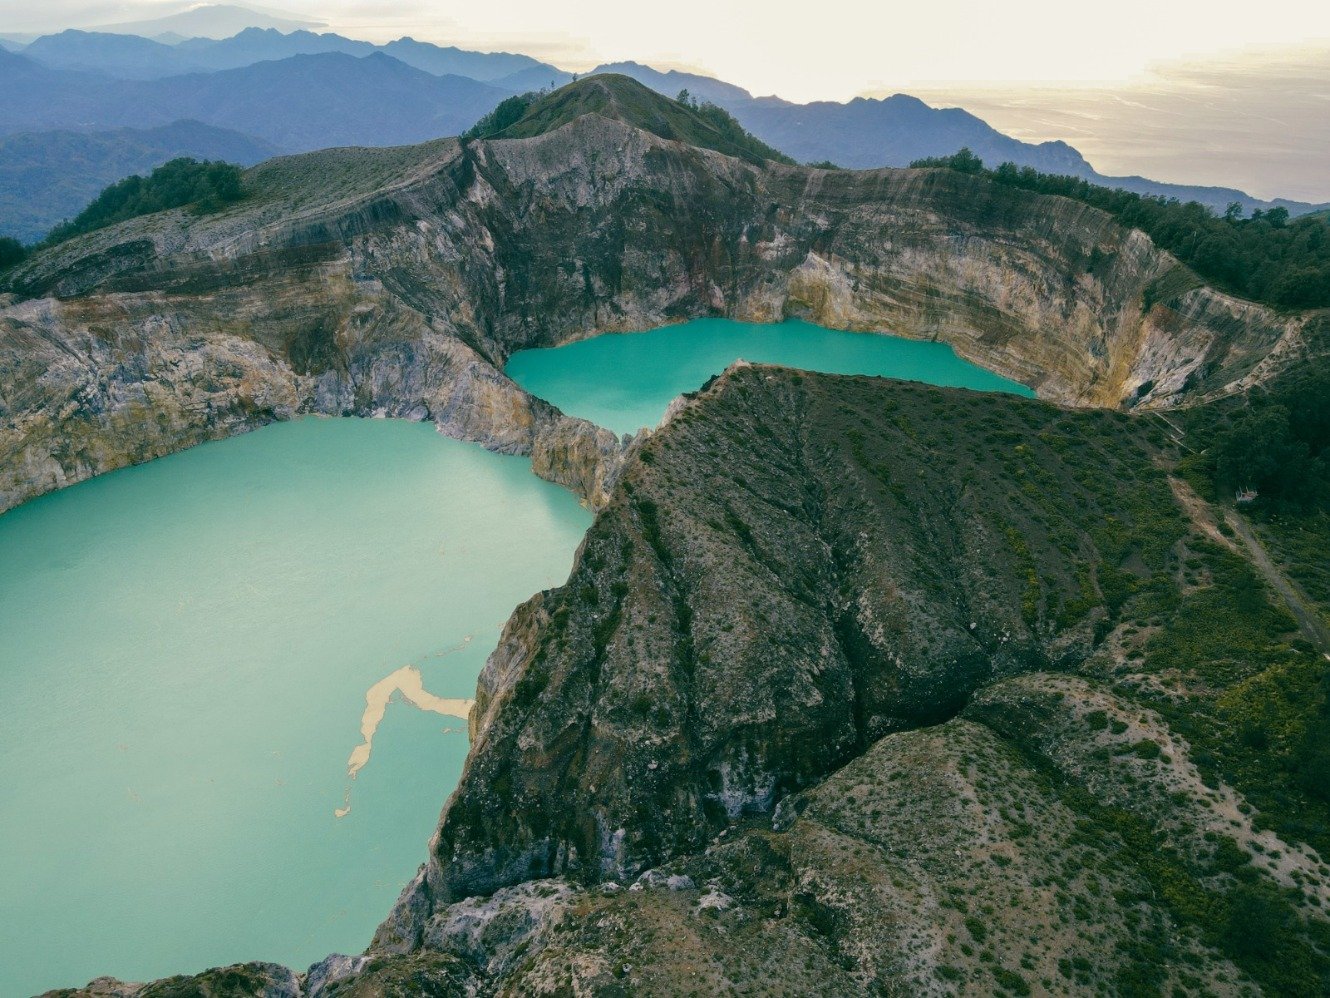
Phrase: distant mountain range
[47,177]
[297,104]
[292,91]
[208,20]
[133,57]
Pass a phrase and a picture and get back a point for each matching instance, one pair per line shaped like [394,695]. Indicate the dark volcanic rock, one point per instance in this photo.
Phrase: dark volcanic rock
[793,568]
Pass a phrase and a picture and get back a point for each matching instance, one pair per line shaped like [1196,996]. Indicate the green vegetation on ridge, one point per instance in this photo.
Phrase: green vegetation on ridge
[1274,440]
[11,252]
[682,119]
[1266,257]
[184,182]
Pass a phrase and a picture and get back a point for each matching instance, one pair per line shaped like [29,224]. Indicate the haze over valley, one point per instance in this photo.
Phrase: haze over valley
[281,87]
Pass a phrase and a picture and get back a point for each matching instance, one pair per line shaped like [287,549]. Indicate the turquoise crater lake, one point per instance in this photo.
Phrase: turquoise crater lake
[625,381]
[186,650]
[198,654]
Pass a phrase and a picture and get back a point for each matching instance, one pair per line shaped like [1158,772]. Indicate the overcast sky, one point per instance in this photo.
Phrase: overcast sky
[800,49]
[1257,120]
[1158,87]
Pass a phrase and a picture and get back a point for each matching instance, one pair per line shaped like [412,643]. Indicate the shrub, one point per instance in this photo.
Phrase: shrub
[509,112]
[11,252]
[1265,257]
[184,182]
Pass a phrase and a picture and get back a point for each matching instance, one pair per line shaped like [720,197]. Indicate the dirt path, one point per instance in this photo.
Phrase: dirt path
[1304,611]
[1200,513]
[1202,516]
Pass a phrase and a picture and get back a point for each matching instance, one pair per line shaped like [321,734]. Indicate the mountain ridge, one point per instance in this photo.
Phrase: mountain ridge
[48,177]
[326,99]
[621,98]
[862,133]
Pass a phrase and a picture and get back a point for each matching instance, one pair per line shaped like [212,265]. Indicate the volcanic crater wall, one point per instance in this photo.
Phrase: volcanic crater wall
[397,282]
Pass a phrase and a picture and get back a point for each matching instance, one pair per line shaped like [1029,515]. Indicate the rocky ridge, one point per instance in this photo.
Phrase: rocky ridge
[862,687]
[398,281]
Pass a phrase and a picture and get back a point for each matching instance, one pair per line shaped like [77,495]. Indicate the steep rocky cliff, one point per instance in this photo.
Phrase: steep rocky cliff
[887,679]
[861,687]
[398,281]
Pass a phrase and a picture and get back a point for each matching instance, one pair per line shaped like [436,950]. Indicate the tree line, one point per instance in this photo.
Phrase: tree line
[181,183]
[1279,442]
[184,182]
[1266,257]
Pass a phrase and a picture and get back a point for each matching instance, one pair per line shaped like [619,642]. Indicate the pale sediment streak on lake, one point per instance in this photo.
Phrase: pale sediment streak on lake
[407,681]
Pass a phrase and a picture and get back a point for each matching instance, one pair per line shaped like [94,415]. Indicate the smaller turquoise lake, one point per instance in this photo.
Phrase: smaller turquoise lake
[625,381]
[194,655]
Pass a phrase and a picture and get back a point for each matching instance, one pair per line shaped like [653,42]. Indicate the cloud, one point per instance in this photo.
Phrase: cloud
[1257,119]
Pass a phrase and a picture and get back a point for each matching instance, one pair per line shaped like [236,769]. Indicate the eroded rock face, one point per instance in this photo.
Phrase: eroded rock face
[791,569]
[397,282]
[850,693]
[92,384]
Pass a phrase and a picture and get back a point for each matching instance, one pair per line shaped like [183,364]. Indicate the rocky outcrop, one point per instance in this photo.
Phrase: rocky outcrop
[849,690]
[853,690]
[397,282]
[93,384]
[736,632]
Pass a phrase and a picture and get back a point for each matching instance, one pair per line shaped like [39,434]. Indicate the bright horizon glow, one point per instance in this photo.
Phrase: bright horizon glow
[847,48]
[1188,91]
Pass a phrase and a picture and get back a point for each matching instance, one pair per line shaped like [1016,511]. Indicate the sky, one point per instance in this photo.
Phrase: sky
[831,49]
[1140,86]
[1257,119]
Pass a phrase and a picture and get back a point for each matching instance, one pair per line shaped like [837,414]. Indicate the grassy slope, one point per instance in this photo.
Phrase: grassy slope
[624,99]
[1130,839]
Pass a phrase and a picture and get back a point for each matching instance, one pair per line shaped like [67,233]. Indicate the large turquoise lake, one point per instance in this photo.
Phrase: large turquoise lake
[187,649]
[625,381]
[236,679]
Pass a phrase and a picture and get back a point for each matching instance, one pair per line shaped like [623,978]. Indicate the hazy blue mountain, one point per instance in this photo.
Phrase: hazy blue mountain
[449,61]
[301,103]
[47,177]
[210,20]
[669,83]
[330,99]
[866,132]
[541,77]
[132,57]
[38,97]
[264,45]
[1217,198]
[897,130]
[124,56]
